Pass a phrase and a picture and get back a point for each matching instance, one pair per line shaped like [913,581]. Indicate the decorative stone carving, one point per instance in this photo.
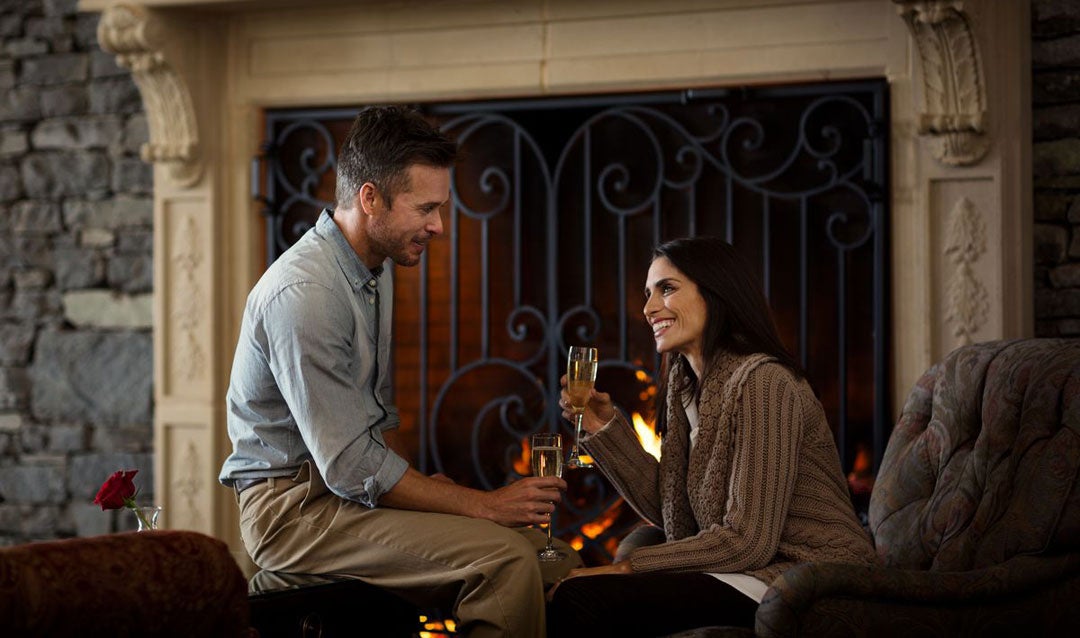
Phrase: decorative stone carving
[954,94]
[133,36]
[188,310]
[187,486]
[968,301]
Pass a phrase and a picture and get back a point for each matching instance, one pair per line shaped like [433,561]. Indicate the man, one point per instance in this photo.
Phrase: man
[320,484]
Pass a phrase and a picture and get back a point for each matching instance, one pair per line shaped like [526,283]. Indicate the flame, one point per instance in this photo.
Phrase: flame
[598,525]
[645,433]
[523,464]
[861,479]
[435,628]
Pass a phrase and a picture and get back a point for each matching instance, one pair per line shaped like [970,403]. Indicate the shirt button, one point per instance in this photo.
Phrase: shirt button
[371,300]
[371,283]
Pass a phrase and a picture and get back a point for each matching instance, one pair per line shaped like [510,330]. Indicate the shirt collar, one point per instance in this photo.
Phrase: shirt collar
[359,275]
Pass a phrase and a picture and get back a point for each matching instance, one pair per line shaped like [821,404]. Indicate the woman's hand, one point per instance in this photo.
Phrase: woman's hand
[598,412]
[617,568]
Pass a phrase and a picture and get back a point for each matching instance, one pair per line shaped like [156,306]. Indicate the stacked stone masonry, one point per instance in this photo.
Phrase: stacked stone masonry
[76,229]
[1055,55]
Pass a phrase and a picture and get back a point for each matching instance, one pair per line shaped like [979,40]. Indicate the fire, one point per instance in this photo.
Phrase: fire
[597,527]
[435,628]
[523,464]
[861,478]
[648,393]
[645,433]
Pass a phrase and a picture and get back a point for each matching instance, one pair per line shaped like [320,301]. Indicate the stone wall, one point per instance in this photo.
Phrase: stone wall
[75,275]
[1055,53]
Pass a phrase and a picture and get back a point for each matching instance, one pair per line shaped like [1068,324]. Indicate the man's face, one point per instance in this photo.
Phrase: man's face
[414,217]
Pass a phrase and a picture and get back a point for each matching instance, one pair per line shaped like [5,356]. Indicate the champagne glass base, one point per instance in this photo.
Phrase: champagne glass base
[550,555]
[576,462]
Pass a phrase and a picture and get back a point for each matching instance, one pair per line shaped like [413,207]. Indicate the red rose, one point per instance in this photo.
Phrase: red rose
[117,490]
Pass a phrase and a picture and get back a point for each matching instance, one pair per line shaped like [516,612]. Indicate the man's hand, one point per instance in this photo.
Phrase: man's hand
[528,501]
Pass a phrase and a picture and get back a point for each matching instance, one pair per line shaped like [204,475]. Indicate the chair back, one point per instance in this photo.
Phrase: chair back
[158,583]
[982,464]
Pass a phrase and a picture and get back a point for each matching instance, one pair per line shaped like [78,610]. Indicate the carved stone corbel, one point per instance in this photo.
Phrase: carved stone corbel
[132,35]
[954,94]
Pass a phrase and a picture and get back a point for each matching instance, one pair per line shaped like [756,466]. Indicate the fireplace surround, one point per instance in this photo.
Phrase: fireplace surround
[959,87]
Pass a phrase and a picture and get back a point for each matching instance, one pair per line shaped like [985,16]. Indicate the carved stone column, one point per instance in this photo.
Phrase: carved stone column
[973,111]
[174,57]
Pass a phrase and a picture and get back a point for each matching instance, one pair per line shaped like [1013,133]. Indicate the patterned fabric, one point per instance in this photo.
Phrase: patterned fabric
[976,509]
[983,461]
[158,583]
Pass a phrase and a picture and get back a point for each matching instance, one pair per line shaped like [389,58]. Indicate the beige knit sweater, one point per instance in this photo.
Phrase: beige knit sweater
[762,489]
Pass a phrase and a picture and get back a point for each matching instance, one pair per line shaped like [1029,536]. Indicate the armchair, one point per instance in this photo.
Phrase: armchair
[975,513]
[156,583]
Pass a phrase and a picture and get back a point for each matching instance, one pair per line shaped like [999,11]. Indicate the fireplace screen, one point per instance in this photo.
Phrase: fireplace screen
[555,209]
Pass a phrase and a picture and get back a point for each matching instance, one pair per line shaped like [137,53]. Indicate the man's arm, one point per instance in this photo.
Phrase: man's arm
[393,441]
[528,501]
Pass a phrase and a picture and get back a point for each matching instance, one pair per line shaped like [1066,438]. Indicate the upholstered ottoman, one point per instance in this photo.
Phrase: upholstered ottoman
[322,606]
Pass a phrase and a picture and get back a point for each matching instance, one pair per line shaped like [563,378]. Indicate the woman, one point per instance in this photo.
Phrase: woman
[749,482]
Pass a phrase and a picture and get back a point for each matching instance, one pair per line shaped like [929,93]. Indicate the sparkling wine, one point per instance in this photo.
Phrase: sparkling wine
[581,363]
[580,378]
[547,461]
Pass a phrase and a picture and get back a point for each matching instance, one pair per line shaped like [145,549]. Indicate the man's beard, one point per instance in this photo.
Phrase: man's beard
[400,251]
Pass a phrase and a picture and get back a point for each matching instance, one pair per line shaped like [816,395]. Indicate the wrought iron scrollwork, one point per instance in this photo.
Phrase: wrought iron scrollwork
[563,216]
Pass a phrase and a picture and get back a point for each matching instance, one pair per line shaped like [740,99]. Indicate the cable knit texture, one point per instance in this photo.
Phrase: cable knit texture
[762,489]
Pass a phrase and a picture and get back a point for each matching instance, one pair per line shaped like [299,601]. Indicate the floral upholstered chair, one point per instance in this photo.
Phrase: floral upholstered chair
[975,513]
[156,583]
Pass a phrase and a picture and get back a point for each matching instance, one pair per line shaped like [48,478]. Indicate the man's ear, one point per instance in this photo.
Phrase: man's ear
[368,199]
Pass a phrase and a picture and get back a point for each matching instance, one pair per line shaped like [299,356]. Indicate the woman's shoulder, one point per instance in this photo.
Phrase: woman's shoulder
[769,372]
[757,365]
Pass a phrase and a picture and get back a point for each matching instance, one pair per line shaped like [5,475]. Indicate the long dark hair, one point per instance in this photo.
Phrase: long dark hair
[738,319]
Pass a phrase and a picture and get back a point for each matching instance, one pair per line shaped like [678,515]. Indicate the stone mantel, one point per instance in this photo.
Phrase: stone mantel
[959,76]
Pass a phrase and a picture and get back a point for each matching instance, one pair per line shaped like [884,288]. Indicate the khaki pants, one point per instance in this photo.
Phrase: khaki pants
[487,572]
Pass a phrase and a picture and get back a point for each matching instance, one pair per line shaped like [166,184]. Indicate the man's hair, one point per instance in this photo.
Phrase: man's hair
[381,145]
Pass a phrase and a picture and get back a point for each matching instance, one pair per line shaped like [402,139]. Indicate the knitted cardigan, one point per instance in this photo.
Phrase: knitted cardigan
[762,489]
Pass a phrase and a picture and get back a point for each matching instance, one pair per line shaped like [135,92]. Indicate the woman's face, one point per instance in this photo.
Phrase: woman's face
[675,310]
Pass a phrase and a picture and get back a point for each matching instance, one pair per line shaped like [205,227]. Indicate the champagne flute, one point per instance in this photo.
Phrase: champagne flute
[580,377]
[547,460]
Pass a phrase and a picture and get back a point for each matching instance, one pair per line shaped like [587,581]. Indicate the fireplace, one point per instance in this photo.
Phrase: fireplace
[555,207]
[958,176]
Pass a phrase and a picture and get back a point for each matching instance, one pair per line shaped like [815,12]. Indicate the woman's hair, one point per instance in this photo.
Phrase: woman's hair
[738,319]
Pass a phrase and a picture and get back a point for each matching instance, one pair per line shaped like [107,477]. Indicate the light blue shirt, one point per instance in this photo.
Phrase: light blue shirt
[311,375]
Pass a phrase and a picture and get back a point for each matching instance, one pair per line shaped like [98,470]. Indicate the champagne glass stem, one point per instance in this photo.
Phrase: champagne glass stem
[575,459]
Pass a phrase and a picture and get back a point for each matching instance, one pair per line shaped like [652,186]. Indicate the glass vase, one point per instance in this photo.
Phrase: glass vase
[147,516]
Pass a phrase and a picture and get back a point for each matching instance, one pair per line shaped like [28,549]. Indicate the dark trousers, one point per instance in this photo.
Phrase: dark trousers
[645,604]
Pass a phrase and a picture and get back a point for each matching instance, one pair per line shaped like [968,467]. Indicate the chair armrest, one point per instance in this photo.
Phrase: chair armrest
[1025,592]
[156,583]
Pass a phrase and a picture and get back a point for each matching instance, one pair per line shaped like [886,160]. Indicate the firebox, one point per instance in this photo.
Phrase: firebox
[555,209]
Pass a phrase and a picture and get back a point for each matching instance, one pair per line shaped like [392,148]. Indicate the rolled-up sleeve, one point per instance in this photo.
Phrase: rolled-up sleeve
[311,340]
